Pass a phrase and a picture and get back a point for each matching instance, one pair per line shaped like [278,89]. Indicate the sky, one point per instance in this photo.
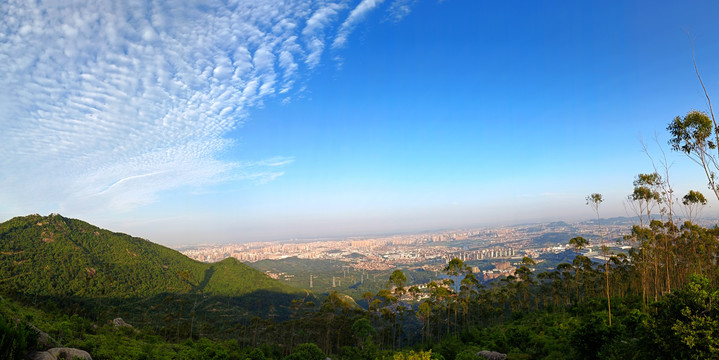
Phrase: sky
[189,122]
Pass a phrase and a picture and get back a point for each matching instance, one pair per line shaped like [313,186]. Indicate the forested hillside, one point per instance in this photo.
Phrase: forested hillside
[54,262]
[61,257]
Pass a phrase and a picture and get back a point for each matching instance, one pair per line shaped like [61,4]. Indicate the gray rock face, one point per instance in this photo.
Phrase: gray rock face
[118,322]
[69,353]
[492,355]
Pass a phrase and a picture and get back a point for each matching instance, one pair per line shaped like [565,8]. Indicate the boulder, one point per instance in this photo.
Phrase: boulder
[69,353]
[492,355]
[118,322]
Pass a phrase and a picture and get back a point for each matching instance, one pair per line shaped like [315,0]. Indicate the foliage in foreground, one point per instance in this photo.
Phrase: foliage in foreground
[681,325]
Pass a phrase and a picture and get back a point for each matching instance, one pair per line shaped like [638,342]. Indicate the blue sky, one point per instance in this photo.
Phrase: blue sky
[195,122]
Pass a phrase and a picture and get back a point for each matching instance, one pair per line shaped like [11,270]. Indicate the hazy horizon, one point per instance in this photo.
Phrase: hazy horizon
[182,122]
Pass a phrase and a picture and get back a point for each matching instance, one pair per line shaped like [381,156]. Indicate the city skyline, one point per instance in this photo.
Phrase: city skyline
[250,121]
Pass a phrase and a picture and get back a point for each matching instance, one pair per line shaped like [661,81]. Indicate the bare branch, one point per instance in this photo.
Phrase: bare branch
[706,94]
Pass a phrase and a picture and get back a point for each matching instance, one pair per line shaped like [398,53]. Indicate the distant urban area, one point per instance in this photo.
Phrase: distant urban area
[500,247]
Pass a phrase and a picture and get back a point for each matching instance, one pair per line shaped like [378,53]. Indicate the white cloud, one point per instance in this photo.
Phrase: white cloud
[356,15]
[314,31]
[276,161]
[399,9]
[104,104]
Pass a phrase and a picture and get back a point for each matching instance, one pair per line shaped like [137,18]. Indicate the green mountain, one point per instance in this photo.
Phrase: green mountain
[68,263]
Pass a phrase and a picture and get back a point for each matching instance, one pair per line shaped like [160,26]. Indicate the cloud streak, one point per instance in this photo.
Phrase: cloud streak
[355,17]
[105,104]
[314,31]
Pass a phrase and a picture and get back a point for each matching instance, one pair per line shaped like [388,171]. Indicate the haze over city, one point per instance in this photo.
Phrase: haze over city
[247,121]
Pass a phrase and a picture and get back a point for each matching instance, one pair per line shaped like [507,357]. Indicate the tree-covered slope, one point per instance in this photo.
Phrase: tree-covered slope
[59,257]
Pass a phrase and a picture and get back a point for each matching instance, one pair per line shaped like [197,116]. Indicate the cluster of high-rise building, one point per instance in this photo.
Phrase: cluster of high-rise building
[361,254]
[481,254]
[382,253]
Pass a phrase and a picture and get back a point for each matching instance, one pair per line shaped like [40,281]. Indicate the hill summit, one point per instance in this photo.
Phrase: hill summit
[68,261]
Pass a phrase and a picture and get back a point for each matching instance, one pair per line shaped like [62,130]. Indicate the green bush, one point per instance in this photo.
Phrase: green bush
[256,354]
[306,351]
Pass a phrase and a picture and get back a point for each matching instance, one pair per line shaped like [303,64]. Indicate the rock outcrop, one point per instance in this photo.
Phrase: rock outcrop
[118,322]
[60,354]
[69,353]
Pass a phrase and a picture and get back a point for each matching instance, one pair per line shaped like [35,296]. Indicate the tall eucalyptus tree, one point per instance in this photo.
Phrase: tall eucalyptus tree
[594,200]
